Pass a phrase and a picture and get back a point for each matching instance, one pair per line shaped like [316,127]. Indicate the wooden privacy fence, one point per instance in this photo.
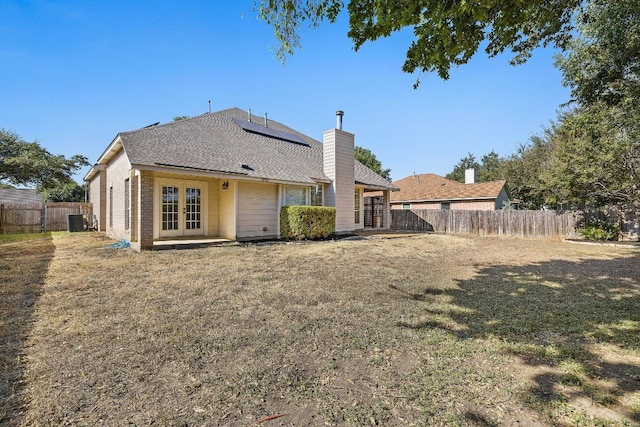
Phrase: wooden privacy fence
[537,224]
[40,217]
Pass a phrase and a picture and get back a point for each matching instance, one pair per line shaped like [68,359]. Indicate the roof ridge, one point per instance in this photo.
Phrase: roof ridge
[173,122]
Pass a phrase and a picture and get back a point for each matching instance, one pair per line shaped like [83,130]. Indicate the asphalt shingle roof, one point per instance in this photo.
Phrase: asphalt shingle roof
[216,142]
[430,186]
[20,195]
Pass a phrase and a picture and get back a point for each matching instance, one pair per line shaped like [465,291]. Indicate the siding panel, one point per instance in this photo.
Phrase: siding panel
[257,210]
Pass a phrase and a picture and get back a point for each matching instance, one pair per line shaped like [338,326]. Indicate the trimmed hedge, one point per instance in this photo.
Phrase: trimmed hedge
[307,222]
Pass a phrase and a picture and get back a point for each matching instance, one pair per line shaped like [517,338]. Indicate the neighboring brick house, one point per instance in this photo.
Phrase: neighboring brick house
[431,191]
[225,174]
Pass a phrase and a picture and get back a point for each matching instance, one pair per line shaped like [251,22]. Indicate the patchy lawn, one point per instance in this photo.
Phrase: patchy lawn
[423,330]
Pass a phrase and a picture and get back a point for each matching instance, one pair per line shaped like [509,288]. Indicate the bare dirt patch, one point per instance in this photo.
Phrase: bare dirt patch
[421,330]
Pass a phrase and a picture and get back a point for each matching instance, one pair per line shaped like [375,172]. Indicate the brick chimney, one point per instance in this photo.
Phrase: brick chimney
[338,160]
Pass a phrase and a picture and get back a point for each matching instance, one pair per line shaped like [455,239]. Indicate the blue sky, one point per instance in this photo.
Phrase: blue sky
[75,73]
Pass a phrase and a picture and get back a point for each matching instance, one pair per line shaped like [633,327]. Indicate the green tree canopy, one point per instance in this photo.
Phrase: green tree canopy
[490,168]
[598,149]
[446,33]
[68,191]
[583,159]
[594,162]
[603,63]
[458,172]
[367,158]
[591,155]
[28,163]
[526,171]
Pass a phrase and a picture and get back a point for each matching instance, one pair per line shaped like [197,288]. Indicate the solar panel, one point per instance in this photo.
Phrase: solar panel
[267,131]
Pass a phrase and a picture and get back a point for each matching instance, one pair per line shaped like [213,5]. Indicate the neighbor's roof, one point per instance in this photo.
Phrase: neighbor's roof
[429,186]
[20,195]
[229,143]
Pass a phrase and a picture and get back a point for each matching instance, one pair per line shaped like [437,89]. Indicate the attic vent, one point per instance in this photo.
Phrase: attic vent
[246,166]
[269,132]
[152,125]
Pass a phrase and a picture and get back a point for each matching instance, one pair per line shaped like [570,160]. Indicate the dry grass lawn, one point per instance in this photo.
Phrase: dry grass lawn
[424,330]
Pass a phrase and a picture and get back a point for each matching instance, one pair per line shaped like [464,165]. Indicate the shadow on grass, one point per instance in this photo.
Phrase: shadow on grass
[23,266]
[548,314]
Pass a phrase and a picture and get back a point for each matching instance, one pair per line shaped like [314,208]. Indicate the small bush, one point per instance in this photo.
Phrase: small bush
[601,230]
[307,222]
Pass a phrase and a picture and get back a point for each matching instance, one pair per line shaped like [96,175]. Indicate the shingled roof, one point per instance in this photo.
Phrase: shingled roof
[228,142]
[432,187]
[20,195]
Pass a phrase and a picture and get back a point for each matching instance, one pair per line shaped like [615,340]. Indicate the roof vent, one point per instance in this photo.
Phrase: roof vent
[266,124]
[249,115]
[246,166]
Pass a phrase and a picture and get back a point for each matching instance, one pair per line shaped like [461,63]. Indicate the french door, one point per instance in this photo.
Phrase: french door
[181,209]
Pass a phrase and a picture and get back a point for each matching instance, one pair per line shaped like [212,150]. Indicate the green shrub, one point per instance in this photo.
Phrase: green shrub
[307,222]
[600,230]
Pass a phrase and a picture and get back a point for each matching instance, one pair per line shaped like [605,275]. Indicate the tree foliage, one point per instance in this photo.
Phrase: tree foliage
[526,171]
[446,32]
[490,168]
[603,64]
[598,150]
[367,158]
[591,155]
[595,162]
[28,163]
[467,162]
[68,191]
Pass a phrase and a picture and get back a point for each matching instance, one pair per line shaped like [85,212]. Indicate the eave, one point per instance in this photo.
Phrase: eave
[454,199]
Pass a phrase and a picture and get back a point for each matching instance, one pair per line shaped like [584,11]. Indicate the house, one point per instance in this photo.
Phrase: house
[431,191]
[225,175]
[20,196]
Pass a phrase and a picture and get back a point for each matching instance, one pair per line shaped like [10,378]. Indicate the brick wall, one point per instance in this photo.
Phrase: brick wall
[118,171]
[145,205]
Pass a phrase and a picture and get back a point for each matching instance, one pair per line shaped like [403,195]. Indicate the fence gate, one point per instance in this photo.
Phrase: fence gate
[373,212]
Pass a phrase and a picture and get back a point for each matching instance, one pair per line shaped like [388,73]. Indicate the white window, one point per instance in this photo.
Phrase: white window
[357,206]
[316,195]
[111,207]
[406,206]
[295,196]
[127,203]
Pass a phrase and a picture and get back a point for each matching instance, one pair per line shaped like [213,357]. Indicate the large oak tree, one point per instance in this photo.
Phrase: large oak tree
[446,32]
[28,163]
